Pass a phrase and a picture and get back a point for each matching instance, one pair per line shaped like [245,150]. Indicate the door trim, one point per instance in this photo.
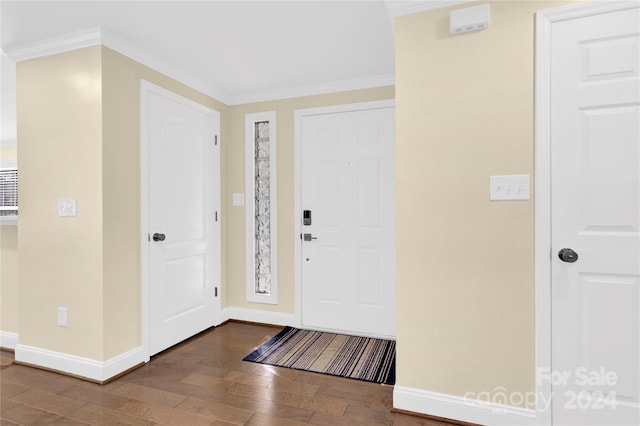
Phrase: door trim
[145,89]
[544,21]
[298,115]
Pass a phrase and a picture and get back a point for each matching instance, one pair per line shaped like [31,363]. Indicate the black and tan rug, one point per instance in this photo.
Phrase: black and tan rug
[362,358]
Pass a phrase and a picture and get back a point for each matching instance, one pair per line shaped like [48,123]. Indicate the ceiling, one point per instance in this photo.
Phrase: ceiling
[239,51]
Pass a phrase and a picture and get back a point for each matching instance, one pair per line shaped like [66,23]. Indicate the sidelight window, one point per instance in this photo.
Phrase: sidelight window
[260,195]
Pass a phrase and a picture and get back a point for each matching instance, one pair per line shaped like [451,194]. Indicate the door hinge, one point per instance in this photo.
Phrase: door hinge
[215,140]
[216,292]
[216,216]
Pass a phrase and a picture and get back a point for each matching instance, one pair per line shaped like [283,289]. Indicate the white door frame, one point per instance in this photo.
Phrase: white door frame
[544,21]
[298,116]
[145,89]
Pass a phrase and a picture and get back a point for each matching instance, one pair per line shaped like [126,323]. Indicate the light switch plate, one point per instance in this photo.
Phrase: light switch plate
[509,187]
[67,207]
[238,199]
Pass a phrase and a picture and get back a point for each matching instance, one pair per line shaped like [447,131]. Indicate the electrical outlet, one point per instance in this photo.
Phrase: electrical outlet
[63,318]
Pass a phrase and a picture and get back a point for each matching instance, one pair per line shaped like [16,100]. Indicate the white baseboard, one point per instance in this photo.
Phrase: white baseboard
[78,366]
[460,408]
[256,315]
[8,340]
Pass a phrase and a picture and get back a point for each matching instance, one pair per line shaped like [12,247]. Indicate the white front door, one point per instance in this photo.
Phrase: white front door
[595,198]
[347,188]
[183,224]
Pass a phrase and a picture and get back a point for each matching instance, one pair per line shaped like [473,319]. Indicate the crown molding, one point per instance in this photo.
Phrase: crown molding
[406,7]
[54,45]
[129,49]
[315,89]
[100,36]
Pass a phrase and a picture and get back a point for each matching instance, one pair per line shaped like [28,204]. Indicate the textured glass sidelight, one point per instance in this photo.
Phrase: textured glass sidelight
[262,213]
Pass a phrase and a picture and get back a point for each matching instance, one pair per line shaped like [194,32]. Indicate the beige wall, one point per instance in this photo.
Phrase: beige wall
[60,258]
[465,264]
[9,278]
[91,263]
[465,108]
[8,265]
[79,127]
[121,192]
[235,216]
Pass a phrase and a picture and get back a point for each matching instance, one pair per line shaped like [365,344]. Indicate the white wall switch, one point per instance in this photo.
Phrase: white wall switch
[63,320]
[67,207]
[238,199]
[509,187]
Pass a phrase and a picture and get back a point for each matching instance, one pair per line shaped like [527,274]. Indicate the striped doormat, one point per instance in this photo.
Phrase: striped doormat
[362,358]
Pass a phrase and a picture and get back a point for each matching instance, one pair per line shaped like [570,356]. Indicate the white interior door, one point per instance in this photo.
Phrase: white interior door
[183,223]
[595,161]
[348,257]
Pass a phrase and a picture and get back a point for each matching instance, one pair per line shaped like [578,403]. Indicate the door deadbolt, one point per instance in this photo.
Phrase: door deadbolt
[306,217]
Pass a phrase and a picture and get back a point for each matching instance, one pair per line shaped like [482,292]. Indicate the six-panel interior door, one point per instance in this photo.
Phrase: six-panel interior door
[181,210]
[595,151]
[348,260]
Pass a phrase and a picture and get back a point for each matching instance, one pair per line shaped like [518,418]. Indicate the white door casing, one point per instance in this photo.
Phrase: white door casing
[180,186]
[347,181]
[587,182]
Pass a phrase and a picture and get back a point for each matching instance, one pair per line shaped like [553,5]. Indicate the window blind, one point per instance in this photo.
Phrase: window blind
[8,192]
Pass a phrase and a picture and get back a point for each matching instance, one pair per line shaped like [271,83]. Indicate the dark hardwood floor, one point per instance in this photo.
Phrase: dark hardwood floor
[200,382]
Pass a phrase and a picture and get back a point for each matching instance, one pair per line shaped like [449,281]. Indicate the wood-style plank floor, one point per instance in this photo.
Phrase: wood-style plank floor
[200,382]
